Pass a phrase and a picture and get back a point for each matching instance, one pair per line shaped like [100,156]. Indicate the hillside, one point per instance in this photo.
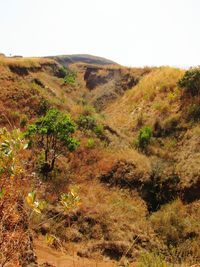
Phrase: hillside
[84,58]
[139,202]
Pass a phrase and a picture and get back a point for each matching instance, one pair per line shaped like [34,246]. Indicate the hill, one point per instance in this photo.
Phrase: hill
[84,58]
[139,201]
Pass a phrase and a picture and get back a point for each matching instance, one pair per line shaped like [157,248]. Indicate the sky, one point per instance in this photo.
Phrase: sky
[129,32]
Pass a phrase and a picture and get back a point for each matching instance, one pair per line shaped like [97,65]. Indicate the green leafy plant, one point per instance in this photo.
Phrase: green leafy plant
[37,205]
[191,81]
[99,130]
[86,122]
[50,239]
[11,143]
[71,199]
[90,143]
[70,77]
[62,72]
[144,137]
[53,132]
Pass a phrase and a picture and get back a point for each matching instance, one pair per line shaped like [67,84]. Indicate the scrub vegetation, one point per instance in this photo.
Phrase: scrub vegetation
[100,162]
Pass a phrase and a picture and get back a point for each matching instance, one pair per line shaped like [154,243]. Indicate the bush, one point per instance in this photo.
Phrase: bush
[99,130]
[70,77]
[191,81]
[62,72]
[144,137]
[86,122]
[90,143]
[88,110]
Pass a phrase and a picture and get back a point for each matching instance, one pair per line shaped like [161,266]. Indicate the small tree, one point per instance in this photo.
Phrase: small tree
[53,134]
[191,81]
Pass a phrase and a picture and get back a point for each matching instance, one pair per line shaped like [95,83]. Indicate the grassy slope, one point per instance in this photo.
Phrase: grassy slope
[122,216]
[157,99]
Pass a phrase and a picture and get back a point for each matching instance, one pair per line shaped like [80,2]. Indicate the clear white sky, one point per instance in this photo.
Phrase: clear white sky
[130,32]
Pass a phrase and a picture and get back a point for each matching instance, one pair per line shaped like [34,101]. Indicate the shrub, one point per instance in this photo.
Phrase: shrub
[99,130]
[70,77]
[86,122]
[144,137]
[88,110]
[90,143]
[191,81]
[53,133]
[62,72]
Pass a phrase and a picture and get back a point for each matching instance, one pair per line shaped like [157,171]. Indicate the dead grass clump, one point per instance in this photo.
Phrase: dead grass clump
[177,225]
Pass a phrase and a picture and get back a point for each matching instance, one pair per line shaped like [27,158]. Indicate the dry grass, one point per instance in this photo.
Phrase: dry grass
[109,215]
[24,94]
[25,62]
[178,225]
[156,96]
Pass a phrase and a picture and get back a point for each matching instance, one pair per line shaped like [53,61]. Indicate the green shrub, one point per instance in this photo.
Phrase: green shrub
[144,137]
[86,122]
[62,72]
[90,143]
[99,130]
[191,81]
[70,77]
[88,110]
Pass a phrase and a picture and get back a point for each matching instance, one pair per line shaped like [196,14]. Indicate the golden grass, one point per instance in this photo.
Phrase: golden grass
[156,95]
[121,212]
[31,62]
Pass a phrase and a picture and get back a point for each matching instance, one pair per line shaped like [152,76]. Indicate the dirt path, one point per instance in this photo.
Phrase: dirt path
[59,259]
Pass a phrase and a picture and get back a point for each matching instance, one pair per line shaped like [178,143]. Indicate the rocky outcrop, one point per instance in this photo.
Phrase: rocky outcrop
[156,185]
[107,84]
